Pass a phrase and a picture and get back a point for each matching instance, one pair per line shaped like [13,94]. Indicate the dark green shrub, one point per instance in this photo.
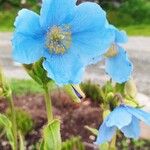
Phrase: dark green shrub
[92,91]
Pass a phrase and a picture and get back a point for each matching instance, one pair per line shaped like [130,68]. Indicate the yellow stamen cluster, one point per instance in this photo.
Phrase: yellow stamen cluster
[112,52]
[58,39]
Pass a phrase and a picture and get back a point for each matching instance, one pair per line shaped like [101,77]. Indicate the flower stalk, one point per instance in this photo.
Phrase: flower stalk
[13,119]
[48,104]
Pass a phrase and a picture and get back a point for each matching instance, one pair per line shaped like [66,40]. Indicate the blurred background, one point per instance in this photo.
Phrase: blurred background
[133,16]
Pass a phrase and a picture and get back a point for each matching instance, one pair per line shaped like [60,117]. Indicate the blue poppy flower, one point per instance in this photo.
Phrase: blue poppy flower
[66,35]
[117,63]
[125,118]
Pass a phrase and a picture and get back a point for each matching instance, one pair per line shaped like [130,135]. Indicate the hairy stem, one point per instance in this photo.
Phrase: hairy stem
[48,104]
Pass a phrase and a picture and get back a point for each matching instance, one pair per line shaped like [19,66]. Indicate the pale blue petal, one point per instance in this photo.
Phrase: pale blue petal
[96,60]
[28,38]
[140,114]
[88,16]
[133,129]
[120,36]
[91,44]
[119,68]
[27,49]
[65,68]
[119,117]
[105,134]
[27,23]
[54,12]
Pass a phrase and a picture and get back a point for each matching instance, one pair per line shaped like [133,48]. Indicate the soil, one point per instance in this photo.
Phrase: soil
[73,116]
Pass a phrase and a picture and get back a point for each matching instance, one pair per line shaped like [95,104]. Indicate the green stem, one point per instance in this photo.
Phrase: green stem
[48,104]
[13,119]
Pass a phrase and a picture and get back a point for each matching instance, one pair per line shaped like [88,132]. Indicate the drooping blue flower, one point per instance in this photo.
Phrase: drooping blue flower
[125,118]
[117,63]
[68,36]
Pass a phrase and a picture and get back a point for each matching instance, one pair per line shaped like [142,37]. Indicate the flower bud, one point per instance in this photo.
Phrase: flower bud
[4,87]
[130,88]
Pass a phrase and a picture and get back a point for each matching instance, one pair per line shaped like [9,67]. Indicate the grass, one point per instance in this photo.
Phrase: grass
[20,87]
[137,30]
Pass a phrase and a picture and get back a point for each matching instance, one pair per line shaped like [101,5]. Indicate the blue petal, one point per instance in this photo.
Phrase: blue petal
[119,67]
[27,22]
[91,44]
[27,49]
[119,117]
[28,41]
[88,16]
[105,134]
[120,36]
[140,114]
[54,12]
[133,129]
[96,60]
[65,68]
[89,34]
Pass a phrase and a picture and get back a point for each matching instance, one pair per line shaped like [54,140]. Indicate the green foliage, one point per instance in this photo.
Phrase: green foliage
[128,12]
[24,121]
[74,143]
[92,91]
[20,87]
[51,136]
[140,144]
[6,124]
[38,73]
[69,90]
[5,90]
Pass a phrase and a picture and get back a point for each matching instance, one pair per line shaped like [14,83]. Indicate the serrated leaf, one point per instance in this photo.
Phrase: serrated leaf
[51,136]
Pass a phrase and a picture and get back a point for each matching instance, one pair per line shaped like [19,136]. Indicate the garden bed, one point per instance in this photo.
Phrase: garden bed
[73,116]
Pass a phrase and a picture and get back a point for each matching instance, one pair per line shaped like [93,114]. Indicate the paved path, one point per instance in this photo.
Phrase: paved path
[137,47]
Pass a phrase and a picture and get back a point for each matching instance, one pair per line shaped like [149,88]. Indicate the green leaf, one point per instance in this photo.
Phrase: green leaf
[42,145]
[37,72]
[69,90]
[119,88]
[5,122]
[92,130]
[52,137]
[74,143]
[104,146]
[7,125]
[10,137]
[21,142]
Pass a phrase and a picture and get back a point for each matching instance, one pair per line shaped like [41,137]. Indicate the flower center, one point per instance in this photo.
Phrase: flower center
[58,39]
[112,52]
